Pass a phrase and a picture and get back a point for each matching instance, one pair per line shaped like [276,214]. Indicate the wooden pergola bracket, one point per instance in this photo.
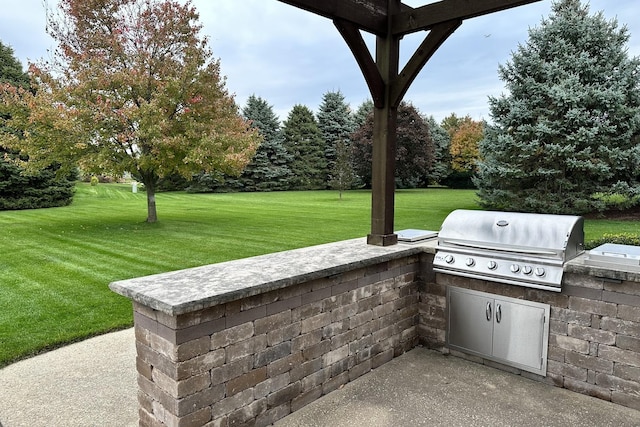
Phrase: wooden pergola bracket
[421,56]
[352,36]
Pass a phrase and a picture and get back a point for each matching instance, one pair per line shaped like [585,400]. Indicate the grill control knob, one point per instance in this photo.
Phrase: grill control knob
[470,262]
[540,271]
[449,259]
[514,268]
[492,265]
[527,270]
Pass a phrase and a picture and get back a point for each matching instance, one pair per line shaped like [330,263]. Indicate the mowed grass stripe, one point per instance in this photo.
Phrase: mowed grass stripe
[57,263]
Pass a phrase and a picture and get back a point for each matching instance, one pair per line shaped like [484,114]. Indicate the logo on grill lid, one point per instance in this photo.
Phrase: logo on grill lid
[502,223]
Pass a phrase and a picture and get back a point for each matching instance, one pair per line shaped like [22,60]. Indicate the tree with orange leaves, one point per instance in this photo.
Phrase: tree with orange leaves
[464,145]
[132,87]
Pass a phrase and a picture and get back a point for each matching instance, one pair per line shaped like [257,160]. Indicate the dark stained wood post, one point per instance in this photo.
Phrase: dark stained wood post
[385,120]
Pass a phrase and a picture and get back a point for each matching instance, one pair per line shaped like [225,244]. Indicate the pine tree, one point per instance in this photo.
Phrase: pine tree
[19,190]
[11,69]
[566,135]
[303,141]
[442,157]
[361,114]
[268,170]
[335,123]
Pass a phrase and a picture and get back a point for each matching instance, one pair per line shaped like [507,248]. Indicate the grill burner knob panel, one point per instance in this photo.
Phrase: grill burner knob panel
[499,268]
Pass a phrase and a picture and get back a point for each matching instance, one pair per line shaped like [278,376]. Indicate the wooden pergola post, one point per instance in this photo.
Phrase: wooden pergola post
[390,20]
[385,121]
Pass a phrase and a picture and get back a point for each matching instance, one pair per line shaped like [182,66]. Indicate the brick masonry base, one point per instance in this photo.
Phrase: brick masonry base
[255,360]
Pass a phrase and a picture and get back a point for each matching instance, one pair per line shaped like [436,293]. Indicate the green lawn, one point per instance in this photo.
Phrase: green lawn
[56,264]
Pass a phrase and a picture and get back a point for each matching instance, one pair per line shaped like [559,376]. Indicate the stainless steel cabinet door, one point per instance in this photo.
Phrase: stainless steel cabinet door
[507,330]
[519,333]
[470,321]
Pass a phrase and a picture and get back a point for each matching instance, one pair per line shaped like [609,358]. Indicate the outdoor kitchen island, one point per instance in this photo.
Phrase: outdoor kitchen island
[250,341]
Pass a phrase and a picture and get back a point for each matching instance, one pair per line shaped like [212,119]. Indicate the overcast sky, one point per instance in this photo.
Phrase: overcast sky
[288,56]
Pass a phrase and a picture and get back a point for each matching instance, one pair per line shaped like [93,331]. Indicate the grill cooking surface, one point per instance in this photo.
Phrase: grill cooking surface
[516,248]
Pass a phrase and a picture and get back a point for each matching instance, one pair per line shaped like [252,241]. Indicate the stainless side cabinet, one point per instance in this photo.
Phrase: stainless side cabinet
[507,330]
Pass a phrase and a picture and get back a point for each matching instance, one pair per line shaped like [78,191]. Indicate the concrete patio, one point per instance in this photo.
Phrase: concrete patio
[68,387]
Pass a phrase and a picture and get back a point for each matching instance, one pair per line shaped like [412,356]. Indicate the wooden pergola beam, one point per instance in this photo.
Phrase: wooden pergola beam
[428,16]
[367,15]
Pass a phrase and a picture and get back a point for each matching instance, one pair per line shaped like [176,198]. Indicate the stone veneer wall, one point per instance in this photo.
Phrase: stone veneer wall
[254,360]
[594,337]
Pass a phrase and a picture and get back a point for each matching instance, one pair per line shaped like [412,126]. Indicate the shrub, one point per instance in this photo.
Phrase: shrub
[94,180]
[459,180]
[616,201]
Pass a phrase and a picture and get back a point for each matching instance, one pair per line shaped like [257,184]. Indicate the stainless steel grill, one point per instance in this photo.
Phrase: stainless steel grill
[515,248]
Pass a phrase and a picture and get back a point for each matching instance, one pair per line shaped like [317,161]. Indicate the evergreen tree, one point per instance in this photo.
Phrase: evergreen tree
[11,69]
[452,123]
[360,116]
[303,141]
[19,190]
[269,168]
[566,136]
[335,123]
[442,157]
[414,152]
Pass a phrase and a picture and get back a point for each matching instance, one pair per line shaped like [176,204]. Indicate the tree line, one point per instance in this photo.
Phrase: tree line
[332,150]
[137,90]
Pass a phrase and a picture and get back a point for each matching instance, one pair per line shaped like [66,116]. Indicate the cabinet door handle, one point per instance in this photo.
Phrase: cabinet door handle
[498,313]
[488,311]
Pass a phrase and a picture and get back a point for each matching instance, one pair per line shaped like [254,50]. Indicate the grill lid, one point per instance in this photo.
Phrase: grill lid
[515,248]
[537,235]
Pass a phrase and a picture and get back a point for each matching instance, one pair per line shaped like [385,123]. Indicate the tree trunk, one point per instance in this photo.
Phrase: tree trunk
[150,186]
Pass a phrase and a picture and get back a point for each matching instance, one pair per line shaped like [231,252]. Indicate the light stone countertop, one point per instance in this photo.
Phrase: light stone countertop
[184,291]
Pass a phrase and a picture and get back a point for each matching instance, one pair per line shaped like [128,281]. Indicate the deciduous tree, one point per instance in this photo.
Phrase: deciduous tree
[414,152]
[464,145]
[134,88]
[342,175]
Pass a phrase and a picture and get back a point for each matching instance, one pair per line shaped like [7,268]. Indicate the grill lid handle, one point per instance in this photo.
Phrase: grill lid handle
[503,249]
